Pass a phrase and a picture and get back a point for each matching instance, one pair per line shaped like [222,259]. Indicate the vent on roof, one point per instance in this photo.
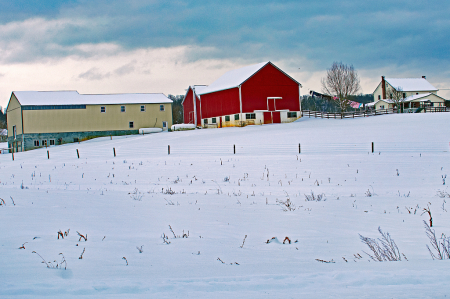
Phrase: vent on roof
[424,77]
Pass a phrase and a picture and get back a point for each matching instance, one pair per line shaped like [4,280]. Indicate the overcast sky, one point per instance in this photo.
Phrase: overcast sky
[117,46]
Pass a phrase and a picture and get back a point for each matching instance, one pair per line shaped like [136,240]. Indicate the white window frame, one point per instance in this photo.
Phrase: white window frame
[52,141]
[102,109]
[131,124]
[162,108]
[36,143]
[44,142]
[122,109]
[142,108]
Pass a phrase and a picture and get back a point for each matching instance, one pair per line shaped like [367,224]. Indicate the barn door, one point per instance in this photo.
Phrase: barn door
[267,117]
[191,117]
[276,117]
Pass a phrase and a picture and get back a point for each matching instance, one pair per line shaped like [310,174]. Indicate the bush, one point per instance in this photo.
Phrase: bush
[440,248]
[383,249]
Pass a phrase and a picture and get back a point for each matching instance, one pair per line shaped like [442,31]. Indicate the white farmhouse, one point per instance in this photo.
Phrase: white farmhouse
[417,93]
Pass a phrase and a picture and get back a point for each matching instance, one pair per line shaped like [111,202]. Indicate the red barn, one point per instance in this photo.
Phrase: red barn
[255,94]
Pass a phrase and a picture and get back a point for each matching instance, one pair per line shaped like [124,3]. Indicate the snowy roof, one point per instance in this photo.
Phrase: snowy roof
[420,96]
[30,98]
[388,101]
[198,88]
[234,78]
[411,84]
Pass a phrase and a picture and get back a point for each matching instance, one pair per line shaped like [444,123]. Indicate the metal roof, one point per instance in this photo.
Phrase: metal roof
[31,98]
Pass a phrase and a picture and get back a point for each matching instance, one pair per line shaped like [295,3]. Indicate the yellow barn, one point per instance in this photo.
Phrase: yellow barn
[46,118]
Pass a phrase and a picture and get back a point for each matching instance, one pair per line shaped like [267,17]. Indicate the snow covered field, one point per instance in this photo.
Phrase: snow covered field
[228,206]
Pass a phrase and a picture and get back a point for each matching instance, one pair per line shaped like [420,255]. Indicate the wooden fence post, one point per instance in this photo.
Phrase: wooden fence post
[168,149]
[12,152]
[78,154]
[373,147]
[299,149]
[114,151]
[48,155]
[234,149]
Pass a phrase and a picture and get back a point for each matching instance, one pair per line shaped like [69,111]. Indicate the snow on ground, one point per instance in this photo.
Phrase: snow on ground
[219,199]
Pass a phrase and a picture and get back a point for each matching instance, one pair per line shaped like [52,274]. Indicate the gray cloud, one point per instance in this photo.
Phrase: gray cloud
[94,74]
[125,69]
[368,34]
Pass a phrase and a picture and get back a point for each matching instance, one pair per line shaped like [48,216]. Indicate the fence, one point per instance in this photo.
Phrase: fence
[437,109]
[341,115]
[122,151]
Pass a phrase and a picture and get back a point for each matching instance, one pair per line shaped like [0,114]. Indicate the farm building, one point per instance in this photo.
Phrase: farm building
[417,93]
[255,94]
[46,118]
[412,103]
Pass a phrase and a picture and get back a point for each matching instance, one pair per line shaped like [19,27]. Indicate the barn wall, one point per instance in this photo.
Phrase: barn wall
[92,119]
[188,106]
[269,82]
[220,103]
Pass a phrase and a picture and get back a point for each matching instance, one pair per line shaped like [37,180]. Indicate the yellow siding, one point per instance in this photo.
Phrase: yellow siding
[14,116]
[383,103]
[91,119]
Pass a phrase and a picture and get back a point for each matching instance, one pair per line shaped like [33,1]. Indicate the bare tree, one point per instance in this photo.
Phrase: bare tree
[397,98]
[341,81]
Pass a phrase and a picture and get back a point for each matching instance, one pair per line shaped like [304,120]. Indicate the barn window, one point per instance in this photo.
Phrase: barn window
[250,116]
[142,108]
[382,107]
[236,117]
[44,142]
[102,109]
[122,108]
[36,143]
[213,120]
[52,141]
[292,114]
[379,97]
[161,107]
[131,124]
[227,118]
[76,140]
[205,121]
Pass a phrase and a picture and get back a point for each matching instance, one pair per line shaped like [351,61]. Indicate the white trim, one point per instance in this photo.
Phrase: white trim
[195,105]
[240,103]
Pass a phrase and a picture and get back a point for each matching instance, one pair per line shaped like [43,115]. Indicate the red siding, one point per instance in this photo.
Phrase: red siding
[220,103]
[188,109]
[188,106]
[269,82]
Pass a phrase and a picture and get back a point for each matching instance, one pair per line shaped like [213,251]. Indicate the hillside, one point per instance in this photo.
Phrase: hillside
[228,206]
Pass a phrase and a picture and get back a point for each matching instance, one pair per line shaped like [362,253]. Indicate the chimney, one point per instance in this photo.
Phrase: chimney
[424,77]
[383,88]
